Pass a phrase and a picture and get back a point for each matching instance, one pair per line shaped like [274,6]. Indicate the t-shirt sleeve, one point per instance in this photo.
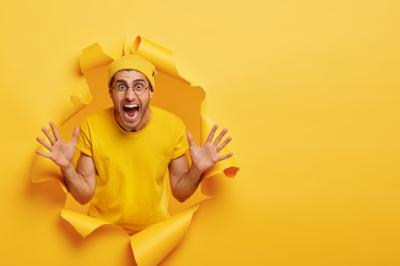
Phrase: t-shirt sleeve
[84,143]
[182,144]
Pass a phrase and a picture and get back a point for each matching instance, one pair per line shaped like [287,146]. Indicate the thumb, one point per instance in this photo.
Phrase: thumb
[191,140]
[75,135]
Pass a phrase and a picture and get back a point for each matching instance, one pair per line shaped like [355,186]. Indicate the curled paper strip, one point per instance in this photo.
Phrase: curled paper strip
[175,94]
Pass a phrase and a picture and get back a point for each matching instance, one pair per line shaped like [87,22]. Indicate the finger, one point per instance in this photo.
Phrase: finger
[55,130]
[44,143]
[226,156]
[226,141]
[49,136]
[212,133]
[75,135]
[44,154]
[191,139]
[220,136]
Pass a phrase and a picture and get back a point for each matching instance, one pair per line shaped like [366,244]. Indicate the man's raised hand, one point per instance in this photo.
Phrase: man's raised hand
[59,152]
[204,157]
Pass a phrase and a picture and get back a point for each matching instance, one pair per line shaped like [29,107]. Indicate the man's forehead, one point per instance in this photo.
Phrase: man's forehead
[129,75]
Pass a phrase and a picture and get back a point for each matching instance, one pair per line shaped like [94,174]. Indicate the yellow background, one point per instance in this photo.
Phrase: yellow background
[308,89]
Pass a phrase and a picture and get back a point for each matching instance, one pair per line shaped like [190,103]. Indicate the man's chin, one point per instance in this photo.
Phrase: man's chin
[130,125]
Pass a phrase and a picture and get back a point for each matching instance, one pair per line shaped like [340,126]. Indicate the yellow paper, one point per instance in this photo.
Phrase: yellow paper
[152,244]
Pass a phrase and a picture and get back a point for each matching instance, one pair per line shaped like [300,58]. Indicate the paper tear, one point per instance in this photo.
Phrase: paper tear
[151,245]
[93,57]
[154,243]
[83,224]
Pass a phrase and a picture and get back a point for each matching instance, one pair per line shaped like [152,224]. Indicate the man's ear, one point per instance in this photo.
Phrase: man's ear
[151,93]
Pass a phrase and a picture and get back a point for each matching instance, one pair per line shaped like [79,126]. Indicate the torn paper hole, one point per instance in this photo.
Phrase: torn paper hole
[175,94]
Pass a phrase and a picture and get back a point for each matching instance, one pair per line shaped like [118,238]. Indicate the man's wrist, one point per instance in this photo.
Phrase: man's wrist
[196,173]
[68,173]
[66,168]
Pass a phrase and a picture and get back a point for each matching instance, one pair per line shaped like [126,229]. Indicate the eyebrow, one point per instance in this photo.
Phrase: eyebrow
[123,81]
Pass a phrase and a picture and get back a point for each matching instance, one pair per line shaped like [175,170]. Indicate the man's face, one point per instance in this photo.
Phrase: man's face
[131,109]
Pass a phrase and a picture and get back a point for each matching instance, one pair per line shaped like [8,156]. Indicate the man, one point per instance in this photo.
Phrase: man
[126,150]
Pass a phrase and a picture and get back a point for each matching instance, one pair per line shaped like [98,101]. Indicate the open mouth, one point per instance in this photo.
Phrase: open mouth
[131,111]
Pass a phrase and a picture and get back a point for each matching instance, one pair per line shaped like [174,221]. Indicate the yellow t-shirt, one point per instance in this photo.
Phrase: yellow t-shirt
[131,183]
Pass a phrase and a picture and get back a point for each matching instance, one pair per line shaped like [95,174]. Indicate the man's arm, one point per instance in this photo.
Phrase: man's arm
[184,179]
[80,181]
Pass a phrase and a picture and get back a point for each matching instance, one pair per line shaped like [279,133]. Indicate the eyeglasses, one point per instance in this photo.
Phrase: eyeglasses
[138,87]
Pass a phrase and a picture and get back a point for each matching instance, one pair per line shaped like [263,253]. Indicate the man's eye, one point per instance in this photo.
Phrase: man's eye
[139,86]
[121,87]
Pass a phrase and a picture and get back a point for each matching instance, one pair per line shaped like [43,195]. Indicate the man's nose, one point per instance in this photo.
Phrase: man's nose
[130,94]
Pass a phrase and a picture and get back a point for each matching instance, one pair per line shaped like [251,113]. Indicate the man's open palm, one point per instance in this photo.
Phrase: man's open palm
[204,157]
[59,152]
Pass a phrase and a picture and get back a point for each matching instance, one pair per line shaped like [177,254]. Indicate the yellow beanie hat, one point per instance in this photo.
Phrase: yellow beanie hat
[134,62]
